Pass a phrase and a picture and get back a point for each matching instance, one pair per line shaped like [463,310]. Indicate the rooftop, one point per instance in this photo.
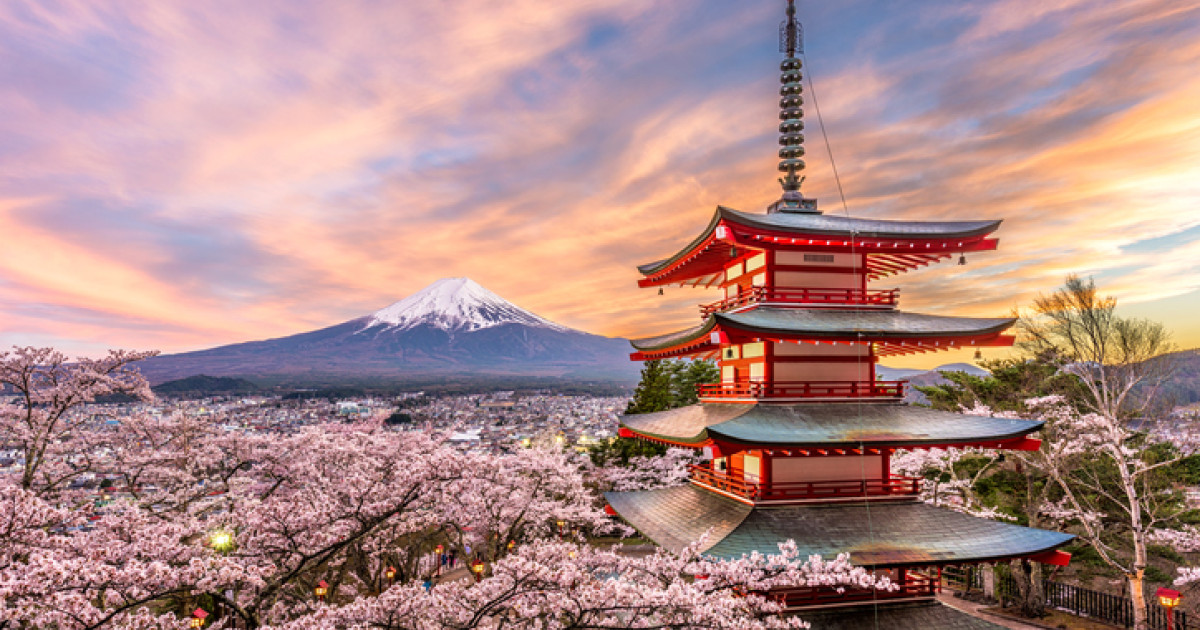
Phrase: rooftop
[879,534]
[832,324]
[837,424]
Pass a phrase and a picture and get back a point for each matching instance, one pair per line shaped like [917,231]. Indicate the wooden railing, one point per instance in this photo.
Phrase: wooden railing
[802,389]
[805,490]
[912,585]
[756,295]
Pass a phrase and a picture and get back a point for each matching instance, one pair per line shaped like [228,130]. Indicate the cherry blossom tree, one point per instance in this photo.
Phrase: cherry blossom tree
[647,472]
[1101,465]
[565,585]
[948,484]
[246,525]
[39,421]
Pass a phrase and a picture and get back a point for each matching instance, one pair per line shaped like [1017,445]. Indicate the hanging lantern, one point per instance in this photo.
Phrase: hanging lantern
[978,354]
[660,291]
[962,259]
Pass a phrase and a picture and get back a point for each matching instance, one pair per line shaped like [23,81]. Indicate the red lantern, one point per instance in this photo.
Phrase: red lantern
[321,590]
[1169,599]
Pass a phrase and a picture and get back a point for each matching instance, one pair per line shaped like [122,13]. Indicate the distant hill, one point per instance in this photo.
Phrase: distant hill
[924,378]
[452,329]
[205,385]
[1183,386]
[1180,389]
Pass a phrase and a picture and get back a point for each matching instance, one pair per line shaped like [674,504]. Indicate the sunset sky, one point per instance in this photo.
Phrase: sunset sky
[176,175]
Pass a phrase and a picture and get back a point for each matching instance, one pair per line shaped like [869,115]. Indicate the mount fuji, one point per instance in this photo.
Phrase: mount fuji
[453,327]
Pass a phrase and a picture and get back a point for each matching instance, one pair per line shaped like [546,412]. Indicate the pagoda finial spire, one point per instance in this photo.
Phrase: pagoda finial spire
[791,115]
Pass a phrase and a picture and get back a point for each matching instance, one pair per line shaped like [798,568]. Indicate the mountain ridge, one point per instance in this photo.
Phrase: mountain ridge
[454,326]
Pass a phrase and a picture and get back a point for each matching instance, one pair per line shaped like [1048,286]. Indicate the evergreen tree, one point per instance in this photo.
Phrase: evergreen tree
[1010,383]
[667,384]
[653,392]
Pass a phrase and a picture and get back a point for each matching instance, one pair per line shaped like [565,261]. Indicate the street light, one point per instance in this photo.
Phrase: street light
[197,620]
[477,568]
[221,541]
[321,591]
[1169,599]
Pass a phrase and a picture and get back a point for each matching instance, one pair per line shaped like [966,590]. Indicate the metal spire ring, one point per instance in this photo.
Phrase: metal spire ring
[791,115]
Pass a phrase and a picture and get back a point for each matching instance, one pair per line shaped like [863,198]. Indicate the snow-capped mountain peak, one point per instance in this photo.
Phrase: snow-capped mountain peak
[455,305]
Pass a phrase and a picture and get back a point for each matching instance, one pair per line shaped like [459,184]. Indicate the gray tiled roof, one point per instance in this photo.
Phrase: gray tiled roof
[819,323]
[833,225]
[906,616]
[879,534]
[825,424]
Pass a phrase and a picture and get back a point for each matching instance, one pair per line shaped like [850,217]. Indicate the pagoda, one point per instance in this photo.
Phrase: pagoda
[798,435]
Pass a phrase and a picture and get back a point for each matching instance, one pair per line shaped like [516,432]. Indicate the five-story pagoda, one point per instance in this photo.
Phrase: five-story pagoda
[799,432]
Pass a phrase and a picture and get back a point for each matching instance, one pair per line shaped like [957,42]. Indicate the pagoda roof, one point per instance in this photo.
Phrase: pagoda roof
[831,225]
[825,425]
[834,324]
[924,615]
[893,534]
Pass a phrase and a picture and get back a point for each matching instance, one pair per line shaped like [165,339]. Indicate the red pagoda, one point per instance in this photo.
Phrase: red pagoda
[798,434]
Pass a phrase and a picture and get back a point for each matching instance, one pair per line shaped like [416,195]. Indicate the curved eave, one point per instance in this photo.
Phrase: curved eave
[857,324]
[658,265]
[880,535]
[702,257]
[843,425]
[792,324]
[834,225]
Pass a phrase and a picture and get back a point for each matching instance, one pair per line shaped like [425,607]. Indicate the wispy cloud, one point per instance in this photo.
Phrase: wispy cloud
[181,175]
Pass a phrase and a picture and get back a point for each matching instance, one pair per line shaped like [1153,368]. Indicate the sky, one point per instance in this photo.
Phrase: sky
[177,175]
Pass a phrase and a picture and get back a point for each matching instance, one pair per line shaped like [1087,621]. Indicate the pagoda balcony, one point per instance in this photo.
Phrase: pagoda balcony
[911,585]
[755,390]
[804,490]
[819,297]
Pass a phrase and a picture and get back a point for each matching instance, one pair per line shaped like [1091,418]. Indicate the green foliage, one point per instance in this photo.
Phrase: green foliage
[653,392]
[667,384]
[399,418]
[1085,555]
[1157,575]
[1011,382]
[620,450]
[1165,552]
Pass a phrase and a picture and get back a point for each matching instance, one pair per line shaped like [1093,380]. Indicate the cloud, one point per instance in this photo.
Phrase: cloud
[184,175]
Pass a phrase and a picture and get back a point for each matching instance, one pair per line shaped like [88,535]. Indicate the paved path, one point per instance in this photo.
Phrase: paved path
[975,610]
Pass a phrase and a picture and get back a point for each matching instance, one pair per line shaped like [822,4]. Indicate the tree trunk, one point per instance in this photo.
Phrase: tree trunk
[1031,593]
[1138,595]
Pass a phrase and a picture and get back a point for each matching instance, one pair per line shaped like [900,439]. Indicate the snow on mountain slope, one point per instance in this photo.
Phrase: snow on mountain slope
[455,305]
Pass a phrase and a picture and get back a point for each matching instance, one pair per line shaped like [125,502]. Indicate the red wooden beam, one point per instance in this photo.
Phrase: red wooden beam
[1056,557]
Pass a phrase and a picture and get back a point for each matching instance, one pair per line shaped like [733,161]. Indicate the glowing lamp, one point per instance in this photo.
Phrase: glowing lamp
[477,568]
[321,590]
[221,540]
[197,620]
[390,573]
[1168,598]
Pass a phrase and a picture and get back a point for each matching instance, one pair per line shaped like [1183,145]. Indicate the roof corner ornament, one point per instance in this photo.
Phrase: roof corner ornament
[791,115]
